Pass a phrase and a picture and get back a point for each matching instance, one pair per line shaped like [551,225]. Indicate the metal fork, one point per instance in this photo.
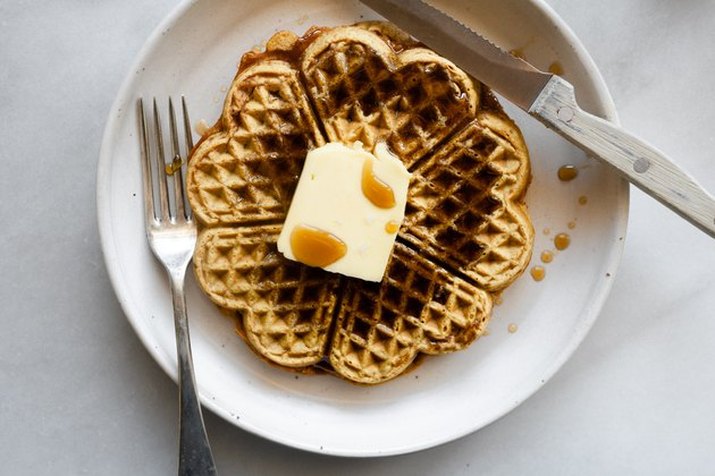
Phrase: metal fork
[171,232]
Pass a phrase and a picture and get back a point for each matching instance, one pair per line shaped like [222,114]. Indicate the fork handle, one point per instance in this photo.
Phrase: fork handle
[195,456]
[638,162]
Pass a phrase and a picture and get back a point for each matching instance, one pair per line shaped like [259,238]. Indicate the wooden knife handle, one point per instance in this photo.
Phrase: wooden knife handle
[638,162]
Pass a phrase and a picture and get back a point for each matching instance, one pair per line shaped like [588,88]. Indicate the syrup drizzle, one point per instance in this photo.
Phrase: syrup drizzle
[315,247]
[378,192]
[392,226]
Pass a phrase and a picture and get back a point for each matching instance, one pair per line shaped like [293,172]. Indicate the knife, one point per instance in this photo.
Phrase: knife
[551,99]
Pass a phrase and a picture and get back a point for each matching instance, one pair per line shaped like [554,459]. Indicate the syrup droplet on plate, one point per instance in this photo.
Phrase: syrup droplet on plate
[583,199]
[567,173]
[562,241]
[556,68]
[512,328]
[538,273]
[518,53]
[547,256]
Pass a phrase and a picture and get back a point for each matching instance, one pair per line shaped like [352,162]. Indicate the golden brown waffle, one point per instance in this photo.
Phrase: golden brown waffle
[417,307]
[461,208]
[366,92]
[466,234]
[286,307]
[247,167]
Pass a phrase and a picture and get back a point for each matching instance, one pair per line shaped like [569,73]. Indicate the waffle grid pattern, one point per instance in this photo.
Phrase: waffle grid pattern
[458,210]
[418,307]
[249,172]
[412,101]
[287,308]
[461,228]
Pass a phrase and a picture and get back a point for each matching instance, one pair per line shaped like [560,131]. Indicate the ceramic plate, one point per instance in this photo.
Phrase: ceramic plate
[195,52]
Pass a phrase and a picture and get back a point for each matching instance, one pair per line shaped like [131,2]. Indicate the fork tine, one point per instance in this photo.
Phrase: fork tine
[189,144]
[161,165]
[187,125]
[149,216]
[177,175]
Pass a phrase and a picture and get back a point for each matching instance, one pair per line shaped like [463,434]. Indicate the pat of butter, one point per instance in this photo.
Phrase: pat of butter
[330,198]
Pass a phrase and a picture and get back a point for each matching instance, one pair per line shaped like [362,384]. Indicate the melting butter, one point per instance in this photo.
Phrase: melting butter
[330,197]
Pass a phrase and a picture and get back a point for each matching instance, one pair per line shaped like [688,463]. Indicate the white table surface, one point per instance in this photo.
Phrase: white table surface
[80,395]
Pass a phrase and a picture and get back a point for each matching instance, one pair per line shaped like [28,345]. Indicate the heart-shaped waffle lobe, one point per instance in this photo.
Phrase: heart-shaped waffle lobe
[466,234]
[418,307]
[364,91]
[247,168]
[287,308]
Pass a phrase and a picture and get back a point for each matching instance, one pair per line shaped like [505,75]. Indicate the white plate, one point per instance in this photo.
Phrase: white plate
[195,52]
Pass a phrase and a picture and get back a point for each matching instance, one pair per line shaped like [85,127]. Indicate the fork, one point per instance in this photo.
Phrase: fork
[171,233]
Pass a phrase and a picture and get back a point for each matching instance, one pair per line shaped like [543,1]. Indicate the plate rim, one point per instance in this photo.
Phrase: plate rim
[112,264]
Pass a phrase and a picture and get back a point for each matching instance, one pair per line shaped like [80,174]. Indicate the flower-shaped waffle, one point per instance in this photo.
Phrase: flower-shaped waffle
[466,234]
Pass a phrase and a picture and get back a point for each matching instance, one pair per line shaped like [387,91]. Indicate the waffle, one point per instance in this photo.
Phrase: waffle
[417,307]
[247,167]
[366,92]
[286,308]
[466,234]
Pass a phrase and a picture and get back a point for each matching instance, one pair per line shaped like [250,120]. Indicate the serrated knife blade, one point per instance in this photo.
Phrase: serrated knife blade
[514,78]
[551,99]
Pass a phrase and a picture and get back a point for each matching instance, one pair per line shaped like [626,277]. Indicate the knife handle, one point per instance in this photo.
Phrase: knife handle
[640,163]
